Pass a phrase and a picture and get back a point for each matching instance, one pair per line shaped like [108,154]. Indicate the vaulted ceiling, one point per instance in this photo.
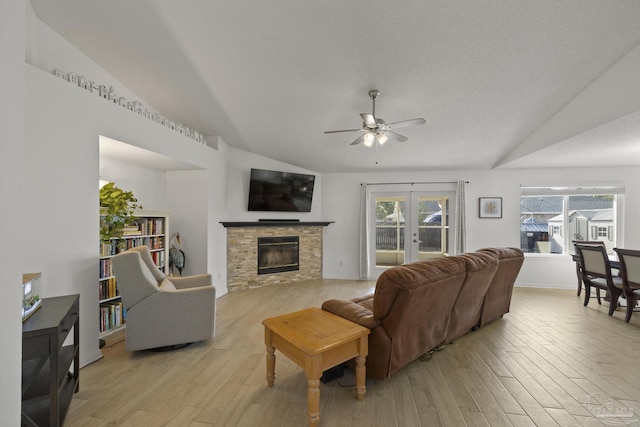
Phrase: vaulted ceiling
[501,83]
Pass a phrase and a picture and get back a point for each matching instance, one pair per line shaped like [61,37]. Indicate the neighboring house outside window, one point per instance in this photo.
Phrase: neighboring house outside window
[585,214]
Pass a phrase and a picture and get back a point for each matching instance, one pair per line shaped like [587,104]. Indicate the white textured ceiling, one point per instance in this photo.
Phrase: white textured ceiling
[271,76]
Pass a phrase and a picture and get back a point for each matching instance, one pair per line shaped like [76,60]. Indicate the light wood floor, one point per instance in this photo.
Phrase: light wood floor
[549,362]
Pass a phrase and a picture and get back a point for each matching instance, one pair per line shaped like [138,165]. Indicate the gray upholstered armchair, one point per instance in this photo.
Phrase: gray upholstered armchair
[162,311]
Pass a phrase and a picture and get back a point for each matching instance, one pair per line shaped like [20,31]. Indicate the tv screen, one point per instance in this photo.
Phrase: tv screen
[280,191]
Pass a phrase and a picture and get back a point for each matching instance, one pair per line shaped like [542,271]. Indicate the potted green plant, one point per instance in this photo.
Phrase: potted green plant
[117,209]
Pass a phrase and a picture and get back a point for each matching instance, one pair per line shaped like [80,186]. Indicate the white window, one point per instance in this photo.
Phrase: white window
[551,218]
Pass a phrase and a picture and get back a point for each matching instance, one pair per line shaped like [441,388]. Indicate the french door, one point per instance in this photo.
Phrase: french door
[409,226]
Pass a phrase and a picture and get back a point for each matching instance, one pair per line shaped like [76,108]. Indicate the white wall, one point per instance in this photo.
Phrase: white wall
[147,185]
[47,50]
[217,195]
[12,39]
[63,124]
[341,200]
[187,202]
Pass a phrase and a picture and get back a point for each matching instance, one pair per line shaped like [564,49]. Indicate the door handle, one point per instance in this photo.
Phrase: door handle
[417,241]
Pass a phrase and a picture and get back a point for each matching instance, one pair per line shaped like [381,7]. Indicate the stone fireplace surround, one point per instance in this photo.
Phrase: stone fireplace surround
[242,252]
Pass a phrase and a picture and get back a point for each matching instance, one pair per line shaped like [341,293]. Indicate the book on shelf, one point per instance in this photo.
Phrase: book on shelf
[108,288]
[112,315]
[131,230]
[105,268]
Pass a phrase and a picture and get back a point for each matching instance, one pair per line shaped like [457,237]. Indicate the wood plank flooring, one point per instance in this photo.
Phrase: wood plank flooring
[549,362]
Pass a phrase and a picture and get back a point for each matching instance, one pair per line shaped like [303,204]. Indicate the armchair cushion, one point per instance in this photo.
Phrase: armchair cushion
[129,268]
[191,281]
[145,254]
[167,285]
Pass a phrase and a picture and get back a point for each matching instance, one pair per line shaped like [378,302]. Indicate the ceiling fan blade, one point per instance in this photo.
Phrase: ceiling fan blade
[396,136]
[359,139]
[407,123]
[369,120]
[344,130]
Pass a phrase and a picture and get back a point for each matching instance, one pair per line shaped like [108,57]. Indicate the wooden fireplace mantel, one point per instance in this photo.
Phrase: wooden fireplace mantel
[276,223]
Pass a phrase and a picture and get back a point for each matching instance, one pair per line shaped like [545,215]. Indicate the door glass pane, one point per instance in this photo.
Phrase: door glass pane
[433,226]
[390,222]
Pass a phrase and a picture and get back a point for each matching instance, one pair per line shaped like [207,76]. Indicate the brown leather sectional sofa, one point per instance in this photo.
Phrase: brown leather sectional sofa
[417,307]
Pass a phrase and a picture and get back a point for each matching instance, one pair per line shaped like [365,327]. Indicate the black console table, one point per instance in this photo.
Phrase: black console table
[50,370]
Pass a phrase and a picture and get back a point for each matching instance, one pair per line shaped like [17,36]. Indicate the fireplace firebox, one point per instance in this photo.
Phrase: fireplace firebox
[278,254]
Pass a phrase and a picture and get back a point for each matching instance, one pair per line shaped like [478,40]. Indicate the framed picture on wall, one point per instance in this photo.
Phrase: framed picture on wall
[490,207]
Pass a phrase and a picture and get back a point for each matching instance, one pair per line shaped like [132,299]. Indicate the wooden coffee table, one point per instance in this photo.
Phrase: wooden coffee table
[316,340]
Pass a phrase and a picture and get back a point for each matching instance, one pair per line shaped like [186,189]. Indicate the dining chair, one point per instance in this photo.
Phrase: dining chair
[596,272]
[630,270]
[578,268]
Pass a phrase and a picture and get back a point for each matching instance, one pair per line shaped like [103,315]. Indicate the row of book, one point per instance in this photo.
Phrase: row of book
[111,248]
[112,315]
[108,289]
[151,225]
[105,268]
[108,248]
[131,230]
[158,258]
[154,242]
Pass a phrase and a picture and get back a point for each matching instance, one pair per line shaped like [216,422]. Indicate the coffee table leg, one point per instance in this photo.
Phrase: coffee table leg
[271,365]
[361,374]
[313,401]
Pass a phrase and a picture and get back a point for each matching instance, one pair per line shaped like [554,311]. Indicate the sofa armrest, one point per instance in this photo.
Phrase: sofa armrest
[359,300]
[351,311]
[191,281]
[191,303]
[172,317]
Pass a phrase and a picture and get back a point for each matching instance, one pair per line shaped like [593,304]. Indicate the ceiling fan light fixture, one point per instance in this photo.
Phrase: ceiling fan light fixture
[368,139]
[375,129]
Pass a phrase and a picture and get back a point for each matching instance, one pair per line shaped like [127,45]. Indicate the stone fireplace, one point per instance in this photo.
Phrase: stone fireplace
[246,252]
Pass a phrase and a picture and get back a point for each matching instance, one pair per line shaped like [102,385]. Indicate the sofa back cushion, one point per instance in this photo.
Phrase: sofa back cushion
[498,298]
[481,267]
[413,302]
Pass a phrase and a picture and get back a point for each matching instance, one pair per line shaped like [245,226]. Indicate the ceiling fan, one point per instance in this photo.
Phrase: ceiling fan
[376,129]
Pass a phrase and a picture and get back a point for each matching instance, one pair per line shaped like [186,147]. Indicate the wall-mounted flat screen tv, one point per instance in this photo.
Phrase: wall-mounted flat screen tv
[280,191]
